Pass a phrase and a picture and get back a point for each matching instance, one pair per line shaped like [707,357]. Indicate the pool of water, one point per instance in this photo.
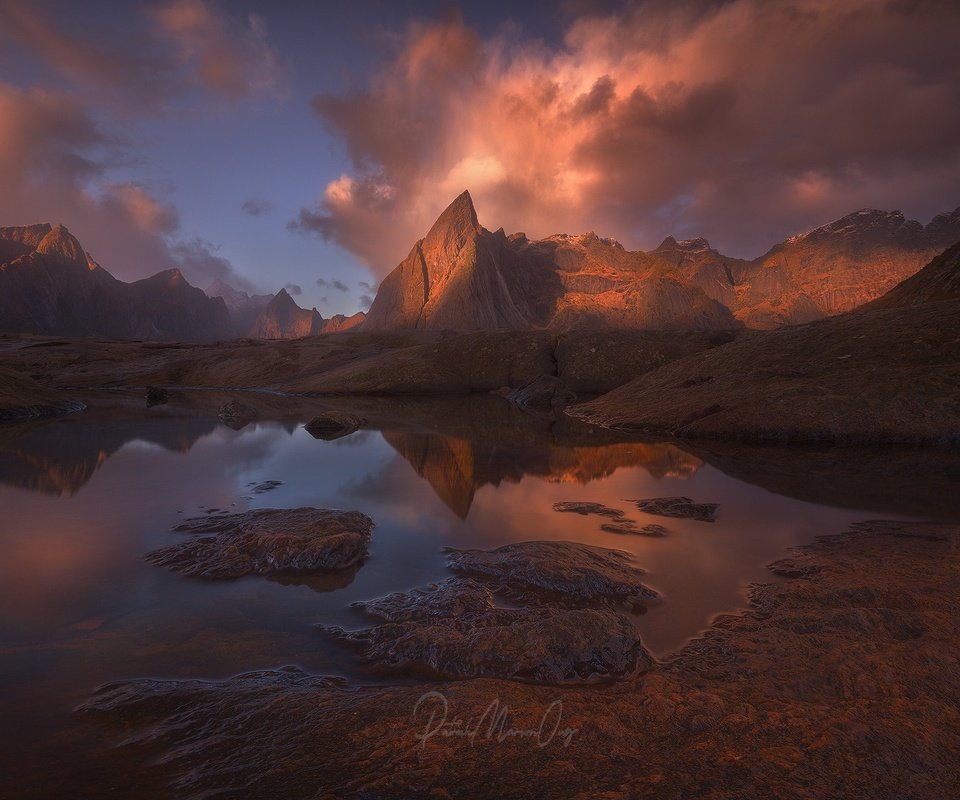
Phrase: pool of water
[83,499]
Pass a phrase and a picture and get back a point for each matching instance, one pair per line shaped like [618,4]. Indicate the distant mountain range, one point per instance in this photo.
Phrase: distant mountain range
[50,286]
[461,276]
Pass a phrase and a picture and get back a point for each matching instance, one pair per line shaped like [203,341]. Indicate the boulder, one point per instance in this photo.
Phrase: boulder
[569,573]
[268,540]
[453,630]
[333,425]
[681,507]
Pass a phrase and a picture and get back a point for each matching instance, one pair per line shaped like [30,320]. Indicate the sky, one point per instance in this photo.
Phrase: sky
[309,145]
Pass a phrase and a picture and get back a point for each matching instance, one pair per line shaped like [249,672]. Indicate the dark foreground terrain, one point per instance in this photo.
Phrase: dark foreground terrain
[838,682]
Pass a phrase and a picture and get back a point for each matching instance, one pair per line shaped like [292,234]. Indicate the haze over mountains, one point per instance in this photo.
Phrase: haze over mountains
[461,276]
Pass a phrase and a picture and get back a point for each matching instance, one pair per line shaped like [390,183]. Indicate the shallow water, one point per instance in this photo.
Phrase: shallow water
[83,499]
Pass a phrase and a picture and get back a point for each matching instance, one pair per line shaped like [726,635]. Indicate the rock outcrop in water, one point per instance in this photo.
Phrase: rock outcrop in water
[333,425]
[680,507]
[454,630]
[267,541]
[569,572]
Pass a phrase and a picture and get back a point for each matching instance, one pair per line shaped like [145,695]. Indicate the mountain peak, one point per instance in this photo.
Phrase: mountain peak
[458,220]
[691,245]
[59,243]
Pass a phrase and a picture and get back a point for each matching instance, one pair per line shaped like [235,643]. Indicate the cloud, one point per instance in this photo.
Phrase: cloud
[227,56]
[367,286]
[744,121]
[55,163]
[293,289]
[157,58]
[339,285]
[366,301]
[256,208]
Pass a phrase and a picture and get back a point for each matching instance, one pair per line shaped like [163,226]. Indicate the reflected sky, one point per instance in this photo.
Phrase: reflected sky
[84,499]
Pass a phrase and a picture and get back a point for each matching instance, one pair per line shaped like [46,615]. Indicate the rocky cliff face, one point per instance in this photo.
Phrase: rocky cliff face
[938,282]
[284,319]
[463,277]
[244,308]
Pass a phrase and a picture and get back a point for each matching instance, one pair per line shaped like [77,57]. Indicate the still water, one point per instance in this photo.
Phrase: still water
[82,499]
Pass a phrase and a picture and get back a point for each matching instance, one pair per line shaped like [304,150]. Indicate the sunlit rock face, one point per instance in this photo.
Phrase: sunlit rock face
[463,277]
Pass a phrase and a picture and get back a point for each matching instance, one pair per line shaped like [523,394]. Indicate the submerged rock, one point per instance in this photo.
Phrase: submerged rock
[453,630]
[268,540]
[156,396]
[543,393]
[568,572]
[333,425]
[588,508]
[629,527]
[682,507]
[266,486]
[237,415]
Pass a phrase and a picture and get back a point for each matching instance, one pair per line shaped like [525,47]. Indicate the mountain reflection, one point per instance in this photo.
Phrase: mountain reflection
[457,468]
[59,457]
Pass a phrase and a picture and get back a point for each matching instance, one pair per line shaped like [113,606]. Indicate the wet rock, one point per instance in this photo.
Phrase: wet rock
[237,415]
[630,528]
[453,630]
[156,396]
[588,508]
[268,540]
[543,393]
[567,572]
[265,486]
[681,507]
[333,425]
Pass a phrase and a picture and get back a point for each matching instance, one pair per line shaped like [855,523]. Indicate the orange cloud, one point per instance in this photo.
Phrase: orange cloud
[726,120]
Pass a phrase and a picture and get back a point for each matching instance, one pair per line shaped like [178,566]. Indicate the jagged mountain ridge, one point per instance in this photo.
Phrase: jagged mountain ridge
[461,276]
[50,286]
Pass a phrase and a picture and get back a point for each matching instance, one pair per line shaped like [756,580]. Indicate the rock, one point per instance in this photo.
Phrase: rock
[333,425]
[268,540]
[681,507]
[282,318]
[266,486]
[237,415]
[543,393]
[630,528]
[588,508]
[565,572]
[156,396]
[453,630]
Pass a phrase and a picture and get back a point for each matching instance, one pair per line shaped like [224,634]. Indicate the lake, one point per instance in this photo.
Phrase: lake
[85,497]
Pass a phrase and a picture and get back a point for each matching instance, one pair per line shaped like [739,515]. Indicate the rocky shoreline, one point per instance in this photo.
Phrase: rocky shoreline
[832,684]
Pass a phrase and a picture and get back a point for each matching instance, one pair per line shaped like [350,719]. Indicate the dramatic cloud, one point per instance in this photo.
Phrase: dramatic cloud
[256,208]
[743,121]
[293,289]
[199,261]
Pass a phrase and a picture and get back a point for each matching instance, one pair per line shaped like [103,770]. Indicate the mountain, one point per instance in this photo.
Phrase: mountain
[49,285]
[282,318]
[837,266]
[937,282]
[244,308]
[461,276]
